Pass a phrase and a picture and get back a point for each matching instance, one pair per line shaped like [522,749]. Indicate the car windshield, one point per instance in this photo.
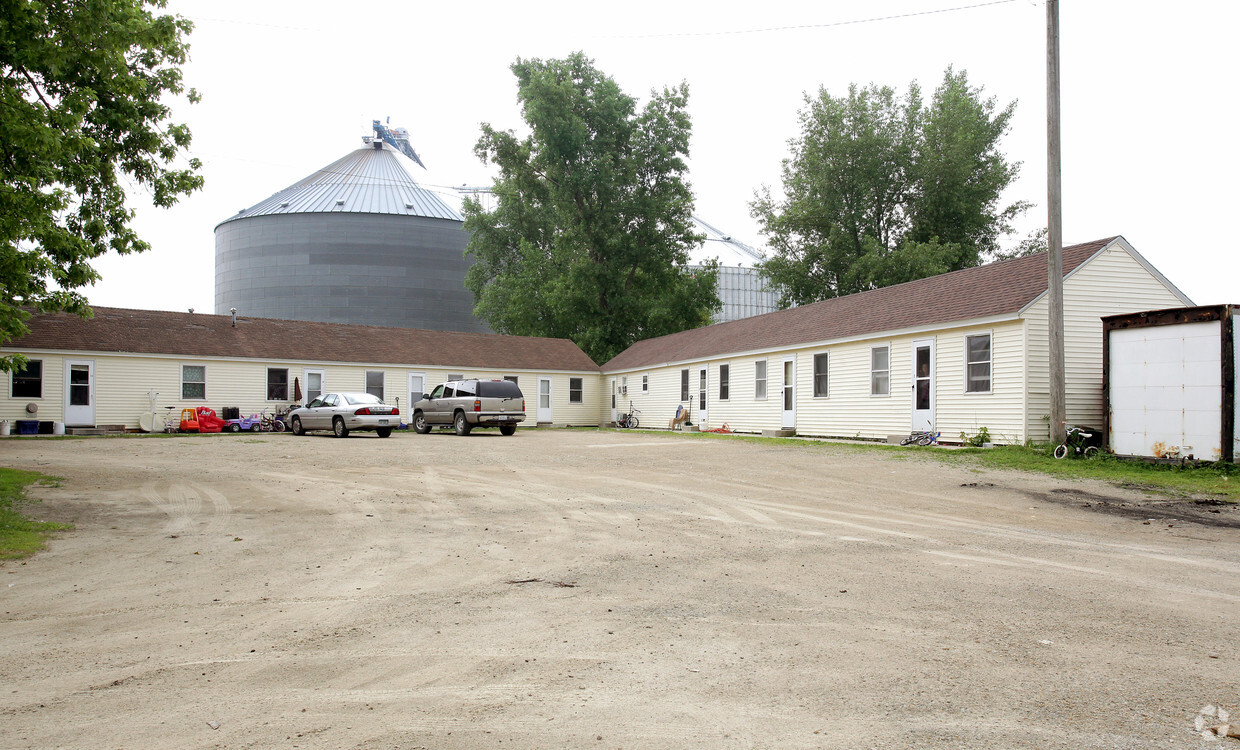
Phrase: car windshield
[361,398]
[498,389]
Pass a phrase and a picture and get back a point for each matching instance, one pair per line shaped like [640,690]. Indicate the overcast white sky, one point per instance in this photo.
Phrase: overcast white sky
[1149,108]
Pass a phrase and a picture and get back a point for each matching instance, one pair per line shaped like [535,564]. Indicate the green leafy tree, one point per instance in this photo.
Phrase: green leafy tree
[591,224]
[882,189]
[83,88]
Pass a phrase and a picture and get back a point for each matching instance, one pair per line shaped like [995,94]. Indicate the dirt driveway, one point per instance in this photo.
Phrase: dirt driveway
[599,589]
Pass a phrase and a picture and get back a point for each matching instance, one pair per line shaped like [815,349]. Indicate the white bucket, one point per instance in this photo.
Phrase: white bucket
[58,428]
[4,428]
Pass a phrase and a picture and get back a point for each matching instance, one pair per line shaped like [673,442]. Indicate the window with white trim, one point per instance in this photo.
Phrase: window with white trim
[759,379]
[27,382]
[723,381]
[645,384]
[374,383]
[978,363]
[575,391]
[821,363]
[880,371]
[277,384]
[193,382]
[684,385]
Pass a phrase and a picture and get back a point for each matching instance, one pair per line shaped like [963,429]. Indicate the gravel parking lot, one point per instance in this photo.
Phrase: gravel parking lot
[572,588]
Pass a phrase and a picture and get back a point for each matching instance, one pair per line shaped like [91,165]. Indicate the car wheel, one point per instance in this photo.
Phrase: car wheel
[338,427]
[297,430]
[419,424]
[234,427]
[508,429]
[384,431]
[461,426]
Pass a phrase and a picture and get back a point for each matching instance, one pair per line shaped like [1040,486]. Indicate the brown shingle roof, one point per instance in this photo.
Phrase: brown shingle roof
[198,335]
[996,289]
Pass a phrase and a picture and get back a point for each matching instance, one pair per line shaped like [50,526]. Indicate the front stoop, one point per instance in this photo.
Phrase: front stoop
[779,433]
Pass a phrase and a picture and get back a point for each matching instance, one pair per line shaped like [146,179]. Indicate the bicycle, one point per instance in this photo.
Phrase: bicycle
[629,421]
[921,438]
[1078,442]
[272,423]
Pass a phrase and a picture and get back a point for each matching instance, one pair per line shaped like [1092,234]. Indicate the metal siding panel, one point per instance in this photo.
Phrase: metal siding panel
[1166,390]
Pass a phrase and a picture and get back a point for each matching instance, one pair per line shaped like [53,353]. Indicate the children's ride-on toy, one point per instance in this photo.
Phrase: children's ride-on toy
[249,424]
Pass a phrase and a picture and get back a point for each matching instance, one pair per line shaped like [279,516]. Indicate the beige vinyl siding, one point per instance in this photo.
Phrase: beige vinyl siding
[1001,410]
[1112,283]
[122,383]
[742,412]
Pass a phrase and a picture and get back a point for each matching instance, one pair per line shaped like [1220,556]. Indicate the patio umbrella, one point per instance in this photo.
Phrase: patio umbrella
[297,390]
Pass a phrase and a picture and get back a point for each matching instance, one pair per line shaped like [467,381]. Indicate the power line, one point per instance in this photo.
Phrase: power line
[854,22]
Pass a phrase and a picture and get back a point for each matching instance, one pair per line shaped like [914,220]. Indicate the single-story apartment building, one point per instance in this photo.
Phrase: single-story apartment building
[952,353]
[111,368]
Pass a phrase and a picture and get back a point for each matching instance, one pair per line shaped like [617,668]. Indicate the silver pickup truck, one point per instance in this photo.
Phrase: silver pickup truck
[466,404]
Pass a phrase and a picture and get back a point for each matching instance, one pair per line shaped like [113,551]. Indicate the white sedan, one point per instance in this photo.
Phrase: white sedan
[343,413]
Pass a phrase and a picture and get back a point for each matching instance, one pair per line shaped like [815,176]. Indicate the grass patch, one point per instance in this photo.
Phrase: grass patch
[1218,479]
[21,536]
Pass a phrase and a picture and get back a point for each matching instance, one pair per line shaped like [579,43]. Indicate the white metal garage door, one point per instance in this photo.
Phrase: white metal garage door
[1166,391]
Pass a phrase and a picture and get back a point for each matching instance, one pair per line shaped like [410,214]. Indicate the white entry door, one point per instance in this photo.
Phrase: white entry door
[544,400]
[923,385]
[80,393]
[701,418]
[788,419]
[314,385]
[614,416]
[417,386]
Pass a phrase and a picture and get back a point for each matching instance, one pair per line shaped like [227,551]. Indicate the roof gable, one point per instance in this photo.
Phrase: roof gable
[197,335]
[995,289]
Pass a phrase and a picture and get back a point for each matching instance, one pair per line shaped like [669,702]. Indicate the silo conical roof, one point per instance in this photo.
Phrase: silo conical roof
[371,180]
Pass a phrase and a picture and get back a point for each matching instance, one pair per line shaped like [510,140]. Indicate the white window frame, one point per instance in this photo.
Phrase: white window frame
[42,379]
[686,391]
[874,372]
[455,376]
[288,384]
[645,384]
[382,382]
[759,394]
[204,395]
[725,381]
[990,363]
[580,391]
[826,374]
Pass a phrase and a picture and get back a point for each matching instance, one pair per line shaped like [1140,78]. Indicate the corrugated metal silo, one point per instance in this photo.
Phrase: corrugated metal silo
[359,241]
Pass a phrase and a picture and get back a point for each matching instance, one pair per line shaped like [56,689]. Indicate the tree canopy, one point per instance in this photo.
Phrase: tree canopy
[83,111]
[591,224]
[882,189]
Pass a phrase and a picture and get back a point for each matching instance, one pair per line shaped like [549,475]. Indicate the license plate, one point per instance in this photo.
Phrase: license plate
[382,421]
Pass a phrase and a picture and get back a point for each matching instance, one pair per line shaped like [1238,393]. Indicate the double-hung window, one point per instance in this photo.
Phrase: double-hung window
[880,371]
[723,382]
[759,379]
[821,363]
[374,383]
[193,382]
[645,384]
[27,382]
[684,385]
[277,384]
[575,391]
[977,363]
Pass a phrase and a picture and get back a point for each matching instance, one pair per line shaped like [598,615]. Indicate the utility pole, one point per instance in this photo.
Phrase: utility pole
[1054,228]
